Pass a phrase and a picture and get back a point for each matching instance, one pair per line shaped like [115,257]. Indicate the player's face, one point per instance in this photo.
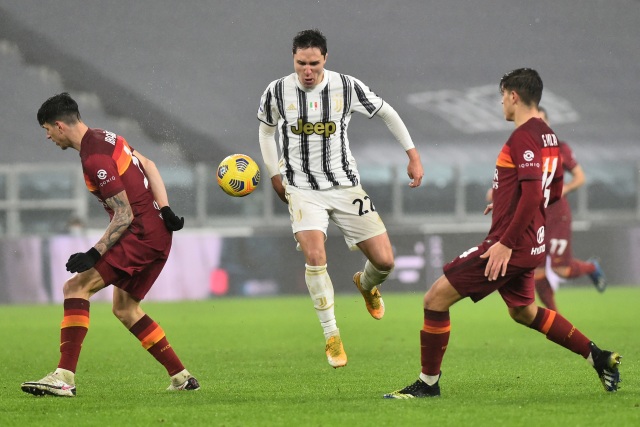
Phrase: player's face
[54,133]
[309,66]
[508,105]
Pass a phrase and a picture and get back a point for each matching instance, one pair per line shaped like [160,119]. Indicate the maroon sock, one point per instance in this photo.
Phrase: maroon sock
[545,293]
[434,338]
[73,330]
[559,330]
[578,268]
[153,340]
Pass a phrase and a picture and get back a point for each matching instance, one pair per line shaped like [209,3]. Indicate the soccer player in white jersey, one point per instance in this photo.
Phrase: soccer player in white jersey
[317,176]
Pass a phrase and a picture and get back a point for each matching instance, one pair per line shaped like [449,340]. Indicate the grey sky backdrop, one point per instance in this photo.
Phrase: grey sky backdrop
[191,73]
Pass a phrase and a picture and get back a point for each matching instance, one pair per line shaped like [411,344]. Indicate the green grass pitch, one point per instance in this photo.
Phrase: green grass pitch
[261,362]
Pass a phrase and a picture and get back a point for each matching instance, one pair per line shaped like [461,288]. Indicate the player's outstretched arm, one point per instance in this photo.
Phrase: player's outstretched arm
[401,133]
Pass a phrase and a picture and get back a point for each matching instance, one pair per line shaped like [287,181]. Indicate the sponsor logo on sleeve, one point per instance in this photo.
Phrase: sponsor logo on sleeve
[104,178]
[528,157]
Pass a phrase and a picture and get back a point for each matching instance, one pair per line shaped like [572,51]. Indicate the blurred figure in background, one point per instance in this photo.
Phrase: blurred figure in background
[130,255]
[560,263]
[318,178]
[76,226]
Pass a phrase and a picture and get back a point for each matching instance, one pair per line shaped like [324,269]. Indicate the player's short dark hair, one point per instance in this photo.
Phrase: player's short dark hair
[310,38]
[526,82]
[60,107]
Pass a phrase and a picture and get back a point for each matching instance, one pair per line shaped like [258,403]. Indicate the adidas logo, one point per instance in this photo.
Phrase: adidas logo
[291,107]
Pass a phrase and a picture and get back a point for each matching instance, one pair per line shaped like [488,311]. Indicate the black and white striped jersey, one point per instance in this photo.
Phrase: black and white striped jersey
[312,127]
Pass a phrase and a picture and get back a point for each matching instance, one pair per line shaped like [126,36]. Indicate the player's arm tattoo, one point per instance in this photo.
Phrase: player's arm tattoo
[122,217]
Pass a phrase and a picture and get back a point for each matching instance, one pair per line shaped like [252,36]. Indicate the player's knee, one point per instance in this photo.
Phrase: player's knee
[123,314]
[386,265]
[73,288]
[67,288]
[441,296]
[120,313]
[522,315]
[316,257]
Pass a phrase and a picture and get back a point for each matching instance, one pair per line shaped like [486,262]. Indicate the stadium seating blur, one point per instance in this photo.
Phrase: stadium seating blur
[182,82]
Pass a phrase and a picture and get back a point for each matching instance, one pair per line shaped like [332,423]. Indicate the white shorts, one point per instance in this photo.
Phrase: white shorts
[349,208]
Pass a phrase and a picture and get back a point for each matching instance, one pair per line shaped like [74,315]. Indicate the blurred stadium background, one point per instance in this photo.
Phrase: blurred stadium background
[182,83]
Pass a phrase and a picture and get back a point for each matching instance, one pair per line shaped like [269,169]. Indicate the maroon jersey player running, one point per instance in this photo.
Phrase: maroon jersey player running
[130,255]
[526,179]
[559,237]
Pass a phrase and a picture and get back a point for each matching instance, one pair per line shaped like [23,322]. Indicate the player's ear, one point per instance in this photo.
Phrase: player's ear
[514,96]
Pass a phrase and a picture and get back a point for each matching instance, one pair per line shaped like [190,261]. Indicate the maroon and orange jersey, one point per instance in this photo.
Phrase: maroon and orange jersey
[558,229]
[562,208]
[110,166]
[531,153]
[569,161]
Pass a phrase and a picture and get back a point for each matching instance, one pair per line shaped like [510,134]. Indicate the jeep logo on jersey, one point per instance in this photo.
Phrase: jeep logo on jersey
[320,128]
[102,174]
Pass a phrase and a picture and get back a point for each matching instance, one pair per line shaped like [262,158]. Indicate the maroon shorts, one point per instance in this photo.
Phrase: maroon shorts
[466,275]
[133,265]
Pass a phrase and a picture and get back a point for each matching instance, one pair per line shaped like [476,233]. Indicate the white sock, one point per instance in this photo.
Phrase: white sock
[321,291]
[66,375]
[372,277]
[429,379]
[180,377]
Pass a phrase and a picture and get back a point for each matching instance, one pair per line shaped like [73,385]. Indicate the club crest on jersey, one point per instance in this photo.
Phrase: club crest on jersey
[540,234]
[110,137]
[338,103]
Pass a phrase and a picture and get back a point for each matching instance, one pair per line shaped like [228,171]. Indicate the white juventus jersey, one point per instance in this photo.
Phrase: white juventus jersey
[312,127]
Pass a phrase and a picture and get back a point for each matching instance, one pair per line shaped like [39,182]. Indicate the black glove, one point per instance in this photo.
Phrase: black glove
[171,220]
[82,261]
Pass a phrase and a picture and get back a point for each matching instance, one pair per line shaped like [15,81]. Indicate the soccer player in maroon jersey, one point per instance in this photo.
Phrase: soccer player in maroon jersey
[130,255]
[526,179]
[558,235]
